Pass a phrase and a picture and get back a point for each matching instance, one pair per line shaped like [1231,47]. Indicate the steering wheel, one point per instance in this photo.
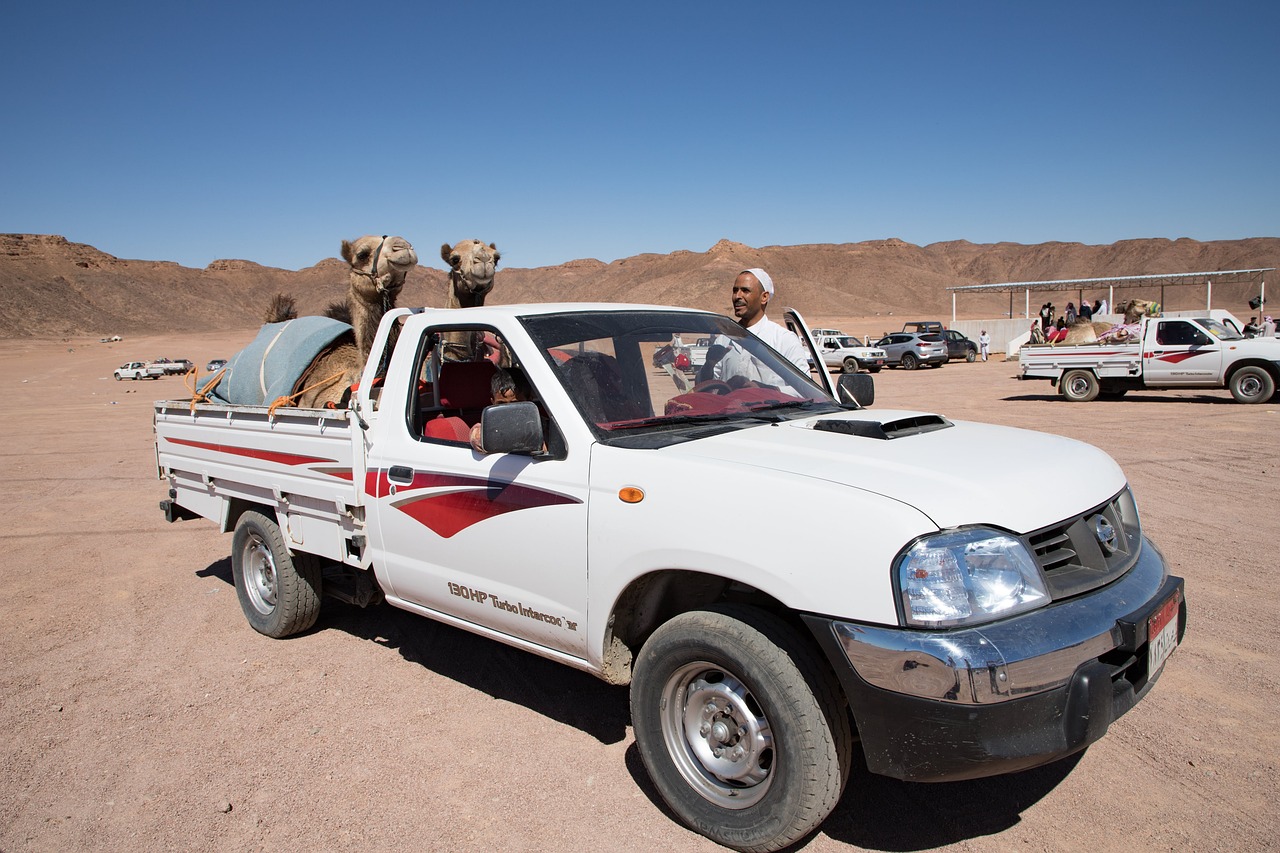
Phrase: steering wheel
[713,386]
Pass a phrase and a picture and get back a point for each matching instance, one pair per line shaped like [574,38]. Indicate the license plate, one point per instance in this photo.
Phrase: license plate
[1162,633]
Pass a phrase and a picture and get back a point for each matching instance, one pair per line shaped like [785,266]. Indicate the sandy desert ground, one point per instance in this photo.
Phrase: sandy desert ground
[140,712]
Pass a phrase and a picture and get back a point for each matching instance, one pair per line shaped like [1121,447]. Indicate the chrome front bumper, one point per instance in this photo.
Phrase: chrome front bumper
[1033,653]
[934,706]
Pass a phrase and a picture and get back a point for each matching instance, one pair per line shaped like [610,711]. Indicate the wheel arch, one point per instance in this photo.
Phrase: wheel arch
[1270,366]
[654,598]
[236,507]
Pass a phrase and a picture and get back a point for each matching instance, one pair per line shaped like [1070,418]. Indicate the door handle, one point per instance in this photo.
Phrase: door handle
[400,474]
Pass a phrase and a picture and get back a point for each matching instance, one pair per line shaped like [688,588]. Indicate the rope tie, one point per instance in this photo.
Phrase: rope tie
[192,381]
[289,399]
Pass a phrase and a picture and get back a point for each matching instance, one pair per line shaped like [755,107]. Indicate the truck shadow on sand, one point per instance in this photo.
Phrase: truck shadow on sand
[879,813]
[548,688]
[875,813]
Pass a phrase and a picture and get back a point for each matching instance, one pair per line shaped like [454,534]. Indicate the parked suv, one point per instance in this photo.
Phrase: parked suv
[958,346]
[909,350]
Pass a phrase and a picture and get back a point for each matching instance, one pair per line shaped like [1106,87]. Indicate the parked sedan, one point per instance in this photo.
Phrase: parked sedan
[909,350]
[958,346]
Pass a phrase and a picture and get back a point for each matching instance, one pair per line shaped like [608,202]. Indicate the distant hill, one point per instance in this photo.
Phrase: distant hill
[52,287]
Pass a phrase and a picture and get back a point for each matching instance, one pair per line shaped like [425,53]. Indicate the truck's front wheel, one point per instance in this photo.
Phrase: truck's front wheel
[1252,385]
[1079,386]
[279,592]
[740,726]
[851,365]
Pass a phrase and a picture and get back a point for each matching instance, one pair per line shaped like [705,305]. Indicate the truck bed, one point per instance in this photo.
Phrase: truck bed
[1113,360]
[308,464]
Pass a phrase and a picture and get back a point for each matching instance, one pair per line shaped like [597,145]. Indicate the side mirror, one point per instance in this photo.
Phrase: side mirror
[857,388]
[511,428]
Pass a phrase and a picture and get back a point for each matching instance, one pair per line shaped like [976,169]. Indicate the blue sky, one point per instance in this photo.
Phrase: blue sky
[271,131]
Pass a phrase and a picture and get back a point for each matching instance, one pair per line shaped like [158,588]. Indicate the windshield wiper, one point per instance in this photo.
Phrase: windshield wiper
[677,420]
[789,404]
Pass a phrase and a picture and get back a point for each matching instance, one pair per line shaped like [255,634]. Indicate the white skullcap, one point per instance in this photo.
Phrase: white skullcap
[763,278]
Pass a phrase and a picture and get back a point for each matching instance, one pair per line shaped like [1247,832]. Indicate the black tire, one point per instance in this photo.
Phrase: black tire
[971,355]
[740,726]
[279,592]
[1252,384]
[909,361]
[119,378]
[851,365]
[1079,386]
[875,368]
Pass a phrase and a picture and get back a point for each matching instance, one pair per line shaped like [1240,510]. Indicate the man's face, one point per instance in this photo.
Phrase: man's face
[749,299]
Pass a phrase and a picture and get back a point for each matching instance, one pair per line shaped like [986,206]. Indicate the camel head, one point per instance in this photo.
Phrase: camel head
[472,265]
[378,267]
[1136,309]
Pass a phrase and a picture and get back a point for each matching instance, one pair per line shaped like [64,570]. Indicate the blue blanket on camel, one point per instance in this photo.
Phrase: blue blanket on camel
[270,367]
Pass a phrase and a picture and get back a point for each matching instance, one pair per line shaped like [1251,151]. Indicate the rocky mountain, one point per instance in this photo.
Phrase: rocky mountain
[51,287]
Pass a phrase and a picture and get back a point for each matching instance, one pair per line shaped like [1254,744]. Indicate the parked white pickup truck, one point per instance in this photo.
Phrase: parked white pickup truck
[953,639]
[849,354]
[1164,352]
[138,370]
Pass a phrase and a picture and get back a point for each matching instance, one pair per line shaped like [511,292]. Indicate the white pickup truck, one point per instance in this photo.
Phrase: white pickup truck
[953,639]
[1162,352]
[138,370]
[848,353]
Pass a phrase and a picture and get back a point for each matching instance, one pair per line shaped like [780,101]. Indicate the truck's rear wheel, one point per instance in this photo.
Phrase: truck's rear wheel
[1252,385]
[850,365]
[1079,386]
[279,592]
[740,726]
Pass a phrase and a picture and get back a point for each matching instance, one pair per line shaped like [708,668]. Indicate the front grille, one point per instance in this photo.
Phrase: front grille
[1078,554]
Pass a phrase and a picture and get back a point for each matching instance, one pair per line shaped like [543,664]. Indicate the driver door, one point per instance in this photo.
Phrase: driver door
[1178,352]
[494,541]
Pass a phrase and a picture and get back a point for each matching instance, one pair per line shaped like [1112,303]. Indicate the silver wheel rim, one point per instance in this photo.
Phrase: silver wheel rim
[1078,386]
[259,574]
[1250,386]
[718,737]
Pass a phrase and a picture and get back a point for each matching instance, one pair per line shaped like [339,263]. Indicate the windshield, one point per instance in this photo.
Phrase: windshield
[633,373]
[1219,330]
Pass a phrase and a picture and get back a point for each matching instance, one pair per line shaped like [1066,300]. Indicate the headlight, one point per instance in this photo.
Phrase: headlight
[965,577]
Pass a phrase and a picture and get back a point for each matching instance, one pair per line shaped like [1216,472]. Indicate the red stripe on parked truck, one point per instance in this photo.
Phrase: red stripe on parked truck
[251,453]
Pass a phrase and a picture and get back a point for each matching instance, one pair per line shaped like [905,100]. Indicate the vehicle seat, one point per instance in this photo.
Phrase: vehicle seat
[466,387]
[447,428]
[596,383]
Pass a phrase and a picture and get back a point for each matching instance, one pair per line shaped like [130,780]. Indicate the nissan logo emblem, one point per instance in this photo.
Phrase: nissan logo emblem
[1105,533]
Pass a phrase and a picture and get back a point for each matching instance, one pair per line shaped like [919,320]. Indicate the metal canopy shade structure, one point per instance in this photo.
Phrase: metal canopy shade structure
[1180,279]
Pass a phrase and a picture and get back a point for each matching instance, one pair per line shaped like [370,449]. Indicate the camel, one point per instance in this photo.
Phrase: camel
[472,266]
[1091,332]
[378,269]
